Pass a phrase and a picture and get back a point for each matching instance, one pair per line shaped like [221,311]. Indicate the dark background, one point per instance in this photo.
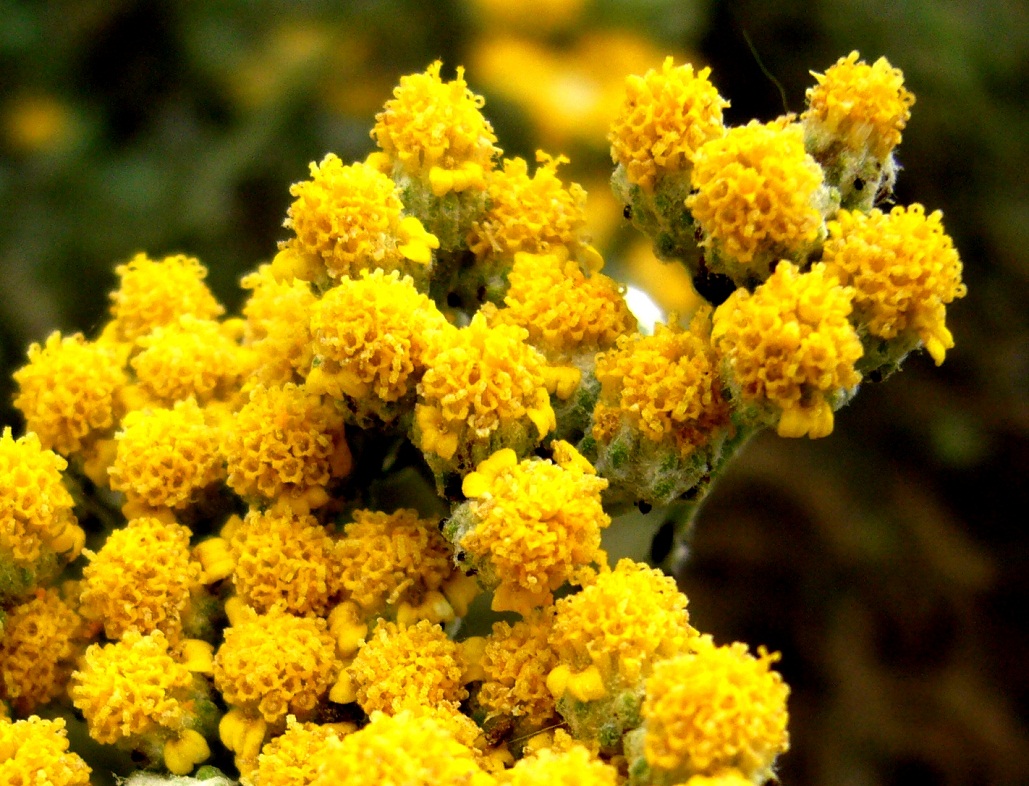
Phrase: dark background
[886,562]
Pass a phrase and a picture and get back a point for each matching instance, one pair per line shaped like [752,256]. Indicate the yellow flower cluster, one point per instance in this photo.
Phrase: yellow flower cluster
[277,331]
[863,106]
[666,117]
[35,751]
[904,270]
[291,759]
[516,661]
[789,349]
[758,197]
[576,766]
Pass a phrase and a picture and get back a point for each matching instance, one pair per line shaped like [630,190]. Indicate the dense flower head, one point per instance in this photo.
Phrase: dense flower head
[756,197]
[276,664]
[392,558]
[789,349]
[622,624]
[166,457]
[285,442]
[863,106]
[35,508]
[534,525]
[436,131]
[286,559]
[277,331]
[132,689]
[516,661]
[665,118]
[69,390]
[369,337]
[347,218]
[535,214]
[564,311]
[189,357]
[715,708]
[291,758]
[575,766]
[414,749]
[407,666]
[158,292]
[483,385]
[665,385]
[35,751]
[904,270]
[37,650]
[141,579]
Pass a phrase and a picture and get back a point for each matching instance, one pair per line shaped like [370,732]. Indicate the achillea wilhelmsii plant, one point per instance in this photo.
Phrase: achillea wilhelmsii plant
[433,393]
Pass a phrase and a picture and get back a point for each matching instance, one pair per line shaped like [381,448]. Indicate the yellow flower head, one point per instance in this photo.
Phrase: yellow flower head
[35,751]
[158,292]
[621,625]
[141,579]
[166,456]
[535,214]
[390,559]
[276,331]
[290,759]
[36,518]
[484,390]
[38,650]
[285,559]
[716,708]
[666,386]
[904,270]
[69,391]
[565,312]
[863,106]
[436,132]
[370,335]
[285,442]
[666,117]
[407,666]
[136,692]
[756,197]
[789,350]
[189,357]
[531,526]
[276,664]
[517,660]
[347,218]
[575,766]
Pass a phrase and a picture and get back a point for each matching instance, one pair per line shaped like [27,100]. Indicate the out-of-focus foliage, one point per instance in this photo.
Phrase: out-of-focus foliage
[883,562]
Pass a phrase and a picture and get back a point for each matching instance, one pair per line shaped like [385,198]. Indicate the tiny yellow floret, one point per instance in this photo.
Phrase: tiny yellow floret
[34,752]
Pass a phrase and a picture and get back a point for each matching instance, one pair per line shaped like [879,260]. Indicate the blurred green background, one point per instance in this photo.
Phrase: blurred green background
[887,562]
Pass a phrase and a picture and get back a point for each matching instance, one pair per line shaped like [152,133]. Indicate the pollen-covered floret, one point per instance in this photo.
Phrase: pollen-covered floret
[369,338]
[276,664]
[713,709]
[285,559]
[758,196]
[290,759]
[565,312]
[347,218]
[69,391]
[904,270]
[389,559]
[407,666]
[666,117]
[531,526]
[484,389]
[38,650]
[789,349]
[276,332]
[436,132]
[35,751]
[407,748]
[285,443]
[536,214]
[516,661]
[36,518]
[574,766]
[863,106]
[158,292]
[166,457]
[141,579]
[665,386]
[189,357]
